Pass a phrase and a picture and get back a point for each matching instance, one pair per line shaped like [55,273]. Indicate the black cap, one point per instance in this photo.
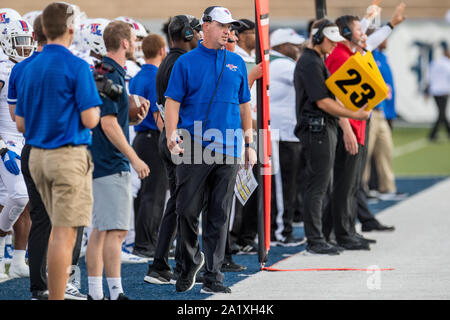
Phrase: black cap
[245,25]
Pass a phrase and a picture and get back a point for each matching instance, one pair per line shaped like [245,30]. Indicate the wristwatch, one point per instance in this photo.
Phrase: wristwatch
[251,145]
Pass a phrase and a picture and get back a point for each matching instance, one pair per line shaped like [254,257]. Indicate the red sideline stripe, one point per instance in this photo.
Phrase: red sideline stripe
[326,269]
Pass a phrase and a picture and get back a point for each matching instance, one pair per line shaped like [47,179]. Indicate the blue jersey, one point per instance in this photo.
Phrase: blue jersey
[57,88]
[144,85]
[107,158]
[193,82]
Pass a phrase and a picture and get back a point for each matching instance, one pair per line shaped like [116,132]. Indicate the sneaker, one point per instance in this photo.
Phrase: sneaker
[353,244]
[247,249]
[149,255]
[39,295]
[322,248]
[176,275]
[122,297]
[375,225]
[231,266]
[186,282]
[131,258]
[19,270]
[290,241]
[9,250]
[215,287]
[158,276]
[72,293]
[360,237]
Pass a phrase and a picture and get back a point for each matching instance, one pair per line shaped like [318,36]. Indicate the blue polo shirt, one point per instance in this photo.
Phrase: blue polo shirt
[387,104]
[192,83]
[144,85]
[16,75]
[107,158]
[57,88]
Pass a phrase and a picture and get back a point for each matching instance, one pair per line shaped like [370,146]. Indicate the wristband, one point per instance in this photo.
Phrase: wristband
[390,25]
[251,145]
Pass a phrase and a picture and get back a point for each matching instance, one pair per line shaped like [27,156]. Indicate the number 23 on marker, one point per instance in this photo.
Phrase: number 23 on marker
[356,83]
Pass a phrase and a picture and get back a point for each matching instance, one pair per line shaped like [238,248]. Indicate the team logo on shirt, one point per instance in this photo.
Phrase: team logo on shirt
[11,143]
[95,30]
[3,18]
[232,67]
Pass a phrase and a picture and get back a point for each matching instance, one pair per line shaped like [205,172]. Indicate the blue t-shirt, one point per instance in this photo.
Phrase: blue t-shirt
[387,104]
[57,88]
[192,83]
[15,77]
[107,158]
[144,85]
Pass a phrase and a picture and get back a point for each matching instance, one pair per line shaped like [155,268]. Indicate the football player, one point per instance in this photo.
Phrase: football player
[16,40]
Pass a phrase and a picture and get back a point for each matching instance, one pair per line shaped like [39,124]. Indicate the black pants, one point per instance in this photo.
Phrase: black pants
[152,194]
[360,206]
[345,173]
[319,149]
[289,166]
[169,222]
[40,231]
[195,183]
[441,103]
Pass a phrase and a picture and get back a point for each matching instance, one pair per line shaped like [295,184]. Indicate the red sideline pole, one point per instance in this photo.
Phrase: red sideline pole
[263,120]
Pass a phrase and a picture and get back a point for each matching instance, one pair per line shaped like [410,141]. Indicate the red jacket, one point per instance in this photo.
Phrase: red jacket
[334,61]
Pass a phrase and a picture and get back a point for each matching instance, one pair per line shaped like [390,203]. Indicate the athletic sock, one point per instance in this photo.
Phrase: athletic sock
[2,248]
[96,287]
[115,287]
[18,257]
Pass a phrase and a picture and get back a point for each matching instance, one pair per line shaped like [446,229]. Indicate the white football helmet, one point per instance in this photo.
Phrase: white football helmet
[138,27]
[7,15]
[31,16]
[16,40]
[93,35]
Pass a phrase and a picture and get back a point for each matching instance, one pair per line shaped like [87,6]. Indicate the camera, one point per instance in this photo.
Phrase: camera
[106,87]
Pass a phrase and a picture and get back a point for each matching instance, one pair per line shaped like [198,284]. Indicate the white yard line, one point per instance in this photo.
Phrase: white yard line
[410,147]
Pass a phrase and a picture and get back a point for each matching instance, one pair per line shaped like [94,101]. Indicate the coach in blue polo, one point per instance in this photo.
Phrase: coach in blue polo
[208,98]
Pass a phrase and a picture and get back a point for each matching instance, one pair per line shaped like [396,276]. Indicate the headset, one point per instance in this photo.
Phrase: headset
[206,17]
[187,32]
[319,36]
[346,29]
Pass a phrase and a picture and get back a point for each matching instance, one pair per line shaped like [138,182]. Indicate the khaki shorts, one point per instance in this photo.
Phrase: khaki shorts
[63,178]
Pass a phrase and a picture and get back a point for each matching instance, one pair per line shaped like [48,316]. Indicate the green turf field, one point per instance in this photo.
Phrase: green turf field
[414,155]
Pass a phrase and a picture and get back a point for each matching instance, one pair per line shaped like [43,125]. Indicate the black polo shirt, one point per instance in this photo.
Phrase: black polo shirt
[164,71]
[309,80]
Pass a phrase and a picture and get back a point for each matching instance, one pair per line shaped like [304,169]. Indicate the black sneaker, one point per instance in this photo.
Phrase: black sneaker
[143,253]
[122,297]
[158,276]
[231,266]
[353,244]
[290,241]
[186,282]
[215,287]
[248,249]
[39,295]
[360,237]
[322,248]
[375,226]
[176,275]
[334,244]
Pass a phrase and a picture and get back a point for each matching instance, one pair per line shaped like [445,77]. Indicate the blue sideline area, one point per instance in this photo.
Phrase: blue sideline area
[133,274]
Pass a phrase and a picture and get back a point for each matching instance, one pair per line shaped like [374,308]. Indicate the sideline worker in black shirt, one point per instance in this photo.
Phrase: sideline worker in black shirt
[317,112]
[180,42]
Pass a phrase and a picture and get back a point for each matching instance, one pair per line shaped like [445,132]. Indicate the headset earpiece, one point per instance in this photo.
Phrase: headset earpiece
[319,36]
[187,32]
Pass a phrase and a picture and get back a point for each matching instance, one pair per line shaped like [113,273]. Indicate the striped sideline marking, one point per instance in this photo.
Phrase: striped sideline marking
[410,147]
